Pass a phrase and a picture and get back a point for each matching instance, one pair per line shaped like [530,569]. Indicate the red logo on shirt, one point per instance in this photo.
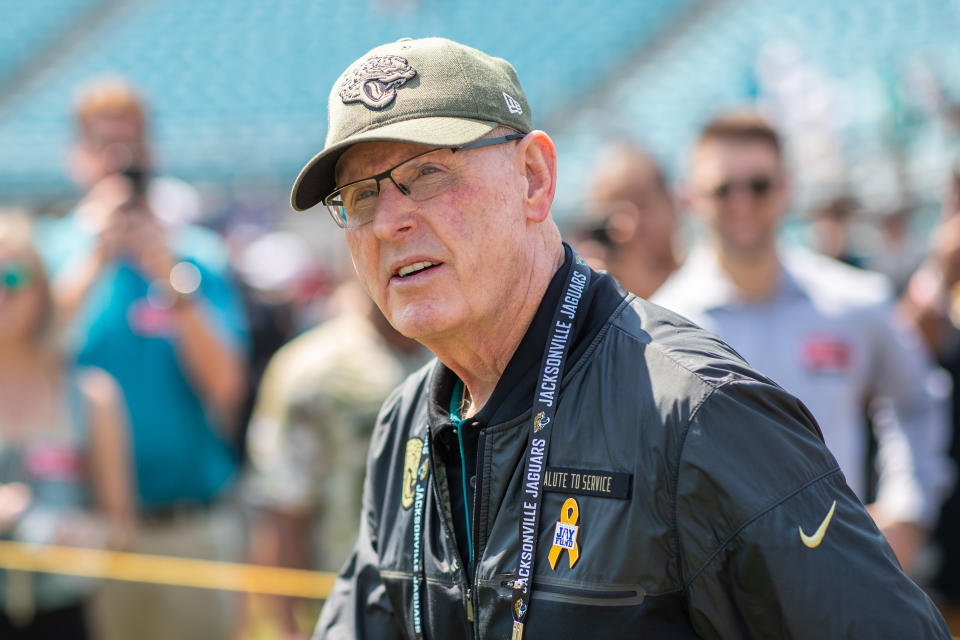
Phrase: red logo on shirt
[826,354]
[147,319]
[54,463]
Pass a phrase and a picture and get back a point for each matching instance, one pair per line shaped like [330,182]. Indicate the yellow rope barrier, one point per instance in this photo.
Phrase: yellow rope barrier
[171,570]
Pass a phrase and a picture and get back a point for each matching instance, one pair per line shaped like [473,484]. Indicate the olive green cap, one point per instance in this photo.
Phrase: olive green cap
[431,91]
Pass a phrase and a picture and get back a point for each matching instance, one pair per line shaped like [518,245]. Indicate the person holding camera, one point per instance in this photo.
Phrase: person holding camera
[150,301]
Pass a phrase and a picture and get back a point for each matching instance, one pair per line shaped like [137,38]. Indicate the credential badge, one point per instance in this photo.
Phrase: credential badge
[565,534]
[411,462]
[376,80]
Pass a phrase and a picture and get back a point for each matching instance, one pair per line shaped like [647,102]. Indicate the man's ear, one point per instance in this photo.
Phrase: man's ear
[538,160]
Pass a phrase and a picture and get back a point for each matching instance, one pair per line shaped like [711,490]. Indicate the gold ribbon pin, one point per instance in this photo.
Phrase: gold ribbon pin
[565,534]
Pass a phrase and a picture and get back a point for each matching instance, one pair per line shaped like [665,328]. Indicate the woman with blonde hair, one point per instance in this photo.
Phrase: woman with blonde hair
[64,463]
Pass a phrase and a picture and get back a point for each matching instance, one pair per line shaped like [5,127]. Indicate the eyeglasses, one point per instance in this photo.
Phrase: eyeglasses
[757,186]
[14,276]
[420,178]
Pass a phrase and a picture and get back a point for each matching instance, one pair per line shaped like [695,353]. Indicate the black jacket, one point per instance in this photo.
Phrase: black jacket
[723,476]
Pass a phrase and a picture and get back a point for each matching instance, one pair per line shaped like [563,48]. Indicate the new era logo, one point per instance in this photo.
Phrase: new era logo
[512,105]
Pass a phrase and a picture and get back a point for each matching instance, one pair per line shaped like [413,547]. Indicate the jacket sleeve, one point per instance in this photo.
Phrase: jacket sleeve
[359,607]
[773,543]
[909,411]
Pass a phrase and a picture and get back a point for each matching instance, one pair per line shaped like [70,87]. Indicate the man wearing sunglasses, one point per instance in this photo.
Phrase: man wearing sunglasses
[824,331]
[577,462]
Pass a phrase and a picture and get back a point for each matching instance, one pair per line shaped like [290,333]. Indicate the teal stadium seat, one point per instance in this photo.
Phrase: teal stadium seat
[239,88]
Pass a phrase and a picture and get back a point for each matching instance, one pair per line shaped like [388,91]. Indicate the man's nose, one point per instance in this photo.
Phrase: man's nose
[395,210]
[741,197]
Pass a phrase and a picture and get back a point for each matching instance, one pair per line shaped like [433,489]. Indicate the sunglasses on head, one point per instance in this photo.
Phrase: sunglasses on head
[757,186]
[14,276]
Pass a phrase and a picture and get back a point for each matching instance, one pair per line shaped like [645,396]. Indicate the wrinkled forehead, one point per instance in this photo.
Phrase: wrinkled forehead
[368,158]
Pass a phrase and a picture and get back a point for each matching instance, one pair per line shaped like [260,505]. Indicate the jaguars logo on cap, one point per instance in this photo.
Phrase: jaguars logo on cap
[411,462]
[375,82]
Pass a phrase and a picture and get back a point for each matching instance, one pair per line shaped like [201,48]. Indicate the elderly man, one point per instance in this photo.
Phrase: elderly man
[577,461]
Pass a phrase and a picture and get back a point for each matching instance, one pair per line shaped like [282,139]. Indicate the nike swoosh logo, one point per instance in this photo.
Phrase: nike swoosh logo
[814,541]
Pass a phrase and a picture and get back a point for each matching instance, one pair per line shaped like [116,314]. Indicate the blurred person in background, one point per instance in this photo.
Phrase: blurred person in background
[932,302]
[632,220]
[65,476]
[823,330]
[899,254]
[151,301]
[308,438]
[278,273]
[831,229]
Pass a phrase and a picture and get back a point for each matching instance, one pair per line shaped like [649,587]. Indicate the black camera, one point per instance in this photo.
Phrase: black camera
[139,179]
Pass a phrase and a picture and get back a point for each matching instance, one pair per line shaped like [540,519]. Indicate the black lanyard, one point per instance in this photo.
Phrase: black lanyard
[545,398]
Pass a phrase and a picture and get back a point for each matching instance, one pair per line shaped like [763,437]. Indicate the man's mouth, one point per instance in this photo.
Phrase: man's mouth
[416,267]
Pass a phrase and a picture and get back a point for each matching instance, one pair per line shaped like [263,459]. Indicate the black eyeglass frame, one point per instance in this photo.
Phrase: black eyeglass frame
[328,201]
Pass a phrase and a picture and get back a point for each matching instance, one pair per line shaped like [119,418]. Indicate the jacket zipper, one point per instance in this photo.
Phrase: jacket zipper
[476,500]
[470,562]
[476,531]
[458,563]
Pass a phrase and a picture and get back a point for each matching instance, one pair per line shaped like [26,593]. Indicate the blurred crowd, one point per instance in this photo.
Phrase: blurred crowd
[195,378]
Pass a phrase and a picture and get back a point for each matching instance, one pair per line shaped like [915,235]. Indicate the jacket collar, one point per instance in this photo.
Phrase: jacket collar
[514,392]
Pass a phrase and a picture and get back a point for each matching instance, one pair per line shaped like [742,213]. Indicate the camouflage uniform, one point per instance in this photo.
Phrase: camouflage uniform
[311,426]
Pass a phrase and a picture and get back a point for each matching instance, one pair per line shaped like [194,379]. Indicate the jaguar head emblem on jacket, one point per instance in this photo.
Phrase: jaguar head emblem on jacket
[411,469]
[375,82]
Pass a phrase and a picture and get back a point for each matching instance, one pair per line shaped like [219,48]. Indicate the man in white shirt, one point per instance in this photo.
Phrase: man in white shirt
[826,332]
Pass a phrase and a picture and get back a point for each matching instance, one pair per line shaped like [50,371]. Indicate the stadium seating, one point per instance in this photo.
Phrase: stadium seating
[845,80]
[239,88]
[32,27]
